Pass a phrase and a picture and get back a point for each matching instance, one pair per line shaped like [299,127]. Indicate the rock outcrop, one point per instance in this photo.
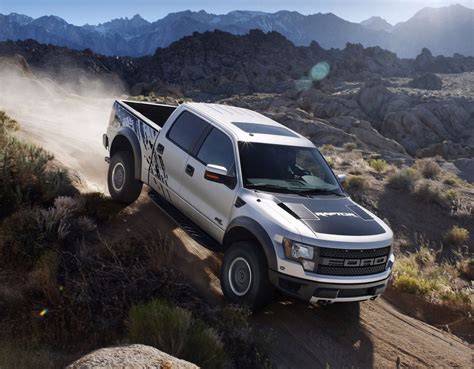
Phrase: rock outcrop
[427,81]
[130,356]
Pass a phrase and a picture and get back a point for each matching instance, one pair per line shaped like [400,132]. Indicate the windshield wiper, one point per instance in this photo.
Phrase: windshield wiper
[318,191]
[268,187]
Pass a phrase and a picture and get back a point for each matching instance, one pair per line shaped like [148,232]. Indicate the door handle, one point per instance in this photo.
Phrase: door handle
[160,149]
[189,170]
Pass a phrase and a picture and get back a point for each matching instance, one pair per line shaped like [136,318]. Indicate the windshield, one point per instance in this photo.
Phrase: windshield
[291,169]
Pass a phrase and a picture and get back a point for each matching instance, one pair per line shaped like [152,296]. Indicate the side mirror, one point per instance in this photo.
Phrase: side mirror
[217,173]
[341,178]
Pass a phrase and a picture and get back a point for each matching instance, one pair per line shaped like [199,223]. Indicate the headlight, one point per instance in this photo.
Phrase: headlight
[304,254]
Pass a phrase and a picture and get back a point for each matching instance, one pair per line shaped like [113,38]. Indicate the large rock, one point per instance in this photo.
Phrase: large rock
[130,356]
[427,81]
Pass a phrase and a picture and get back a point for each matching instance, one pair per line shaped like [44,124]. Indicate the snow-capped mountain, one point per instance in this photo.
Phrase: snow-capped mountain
[443,30]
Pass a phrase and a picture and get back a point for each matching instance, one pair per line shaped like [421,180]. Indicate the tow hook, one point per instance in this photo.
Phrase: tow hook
[107,160]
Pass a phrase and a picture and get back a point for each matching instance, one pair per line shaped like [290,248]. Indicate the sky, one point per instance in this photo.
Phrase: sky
[79,12]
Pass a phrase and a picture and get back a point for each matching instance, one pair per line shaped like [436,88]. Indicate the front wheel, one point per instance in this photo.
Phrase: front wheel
[123,186]
[244,275]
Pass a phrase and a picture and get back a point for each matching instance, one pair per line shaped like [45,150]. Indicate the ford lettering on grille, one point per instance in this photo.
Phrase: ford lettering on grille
[350,263]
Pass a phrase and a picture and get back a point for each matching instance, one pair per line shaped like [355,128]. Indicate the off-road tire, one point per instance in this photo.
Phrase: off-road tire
[237,259]
[123,187]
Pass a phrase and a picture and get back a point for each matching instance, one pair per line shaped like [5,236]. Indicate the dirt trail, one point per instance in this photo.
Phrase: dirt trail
[367,335]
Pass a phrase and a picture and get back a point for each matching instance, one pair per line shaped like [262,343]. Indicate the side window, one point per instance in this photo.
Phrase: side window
[186,130]
[217,149]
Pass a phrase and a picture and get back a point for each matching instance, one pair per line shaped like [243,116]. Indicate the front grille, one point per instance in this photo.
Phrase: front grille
[353,254]
[350,271]
[340,257]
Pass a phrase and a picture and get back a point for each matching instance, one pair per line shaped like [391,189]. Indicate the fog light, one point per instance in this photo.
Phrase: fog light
[308,265]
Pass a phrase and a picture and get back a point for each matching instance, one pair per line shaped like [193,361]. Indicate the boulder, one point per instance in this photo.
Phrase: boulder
[427,81]
[130,356]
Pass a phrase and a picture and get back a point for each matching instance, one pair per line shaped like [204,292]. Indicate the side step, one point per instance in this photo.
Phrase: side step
[193,230]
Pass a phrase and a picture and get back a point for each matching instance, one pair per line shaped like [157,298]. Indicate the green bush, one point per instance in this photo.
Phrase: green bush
[428,168]
[99,207]
[173,330]
[403,180]
[379,165]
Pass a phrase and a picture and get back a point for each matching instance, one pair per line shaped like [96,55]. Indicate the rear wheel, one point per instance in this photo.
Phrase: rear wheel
[244,275]
[123,186]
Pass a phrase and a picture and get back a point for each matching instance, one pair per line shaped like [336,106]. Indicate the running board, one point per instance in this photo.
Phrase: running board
[181,220]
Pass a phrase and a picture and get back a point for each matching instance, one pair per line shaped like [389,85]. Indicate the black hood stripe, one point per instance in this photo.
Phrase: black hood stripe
[338,216]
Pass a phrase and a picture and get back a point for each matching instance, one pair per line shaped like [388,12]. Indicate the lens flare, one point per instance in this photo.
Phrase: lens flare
[303,84]
[319,71]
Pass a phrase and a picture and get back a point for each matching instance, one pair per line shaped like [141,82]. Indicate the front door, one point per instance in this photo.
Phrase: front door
[210,202]
[170,155]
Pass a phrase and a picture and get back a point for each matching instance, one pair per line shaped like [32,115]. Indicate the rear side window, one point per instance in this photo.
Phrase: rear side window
[186,130]
[217,149]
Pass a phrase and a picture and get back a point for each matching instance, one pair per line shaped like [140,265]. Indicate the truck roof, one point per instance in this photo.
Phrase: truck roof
[248,125]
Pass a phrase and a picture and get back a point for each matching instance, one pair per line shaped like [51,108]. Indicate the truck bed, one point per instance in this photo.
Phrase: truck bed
[156,113]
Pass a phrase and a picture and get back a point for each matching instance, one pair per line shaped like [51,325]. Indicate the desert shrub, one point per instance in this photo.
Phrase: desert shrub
[173,330]
[379,165]
[25,177]
[327,149]
[456,236]
[403,179]
[330,162]
[99,207]
[430,192]
[29,232]
[419,273]
[350,146]
[466,267]
[247,349]
[428,168]
[22,240]
[204,347]
[357,184]
[14,355]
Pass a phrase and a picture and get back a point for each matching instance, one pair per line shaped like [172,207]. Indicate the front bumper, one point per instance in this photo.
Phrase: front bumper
[331,292]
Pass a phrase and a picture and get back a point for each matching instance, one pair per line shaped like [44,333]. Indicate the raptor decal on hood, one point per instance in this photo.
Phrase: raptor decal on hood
[331,215]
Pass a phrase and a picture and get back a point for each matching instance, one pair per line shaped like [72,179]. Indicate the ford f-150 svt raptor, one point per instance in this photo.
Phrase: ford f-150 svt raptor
[262,194]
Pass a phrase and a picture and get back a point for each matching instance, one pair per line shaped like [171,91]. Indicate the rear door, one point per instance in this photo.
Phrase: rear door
[171,152]
[210,203]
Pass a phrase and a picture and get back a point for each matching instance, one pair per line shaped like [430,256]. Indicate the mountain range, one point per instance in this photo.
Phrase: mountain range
[444,31]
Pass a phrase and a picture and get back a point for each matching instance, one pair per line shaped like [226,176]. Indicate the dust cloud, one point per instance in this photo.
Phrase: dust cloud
[66,121]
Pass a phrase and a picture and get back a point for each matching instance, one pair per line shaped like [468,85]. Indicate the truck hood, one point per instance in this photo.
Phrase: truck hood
[331,215]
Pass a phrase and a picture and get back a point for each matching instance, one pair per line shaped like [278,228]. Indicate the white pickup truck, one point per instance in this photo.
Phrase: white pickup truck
[245,185]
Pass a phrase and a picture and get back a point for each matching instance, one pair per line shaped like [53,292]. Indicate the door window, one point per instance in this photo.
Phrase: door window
[186,130]
[217,149]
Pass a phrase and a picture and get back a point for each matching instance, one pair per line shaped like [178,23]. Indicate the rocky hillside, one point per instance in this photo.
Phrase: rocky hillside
[219,64]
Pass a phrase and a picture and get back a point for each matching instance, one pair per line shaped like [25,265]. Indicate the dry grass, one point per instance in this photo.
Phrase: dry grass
[350,146]
[428,168]
[456,236]
[430,192]
[419,273]
[357,184]
[379,165]
[403,179]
